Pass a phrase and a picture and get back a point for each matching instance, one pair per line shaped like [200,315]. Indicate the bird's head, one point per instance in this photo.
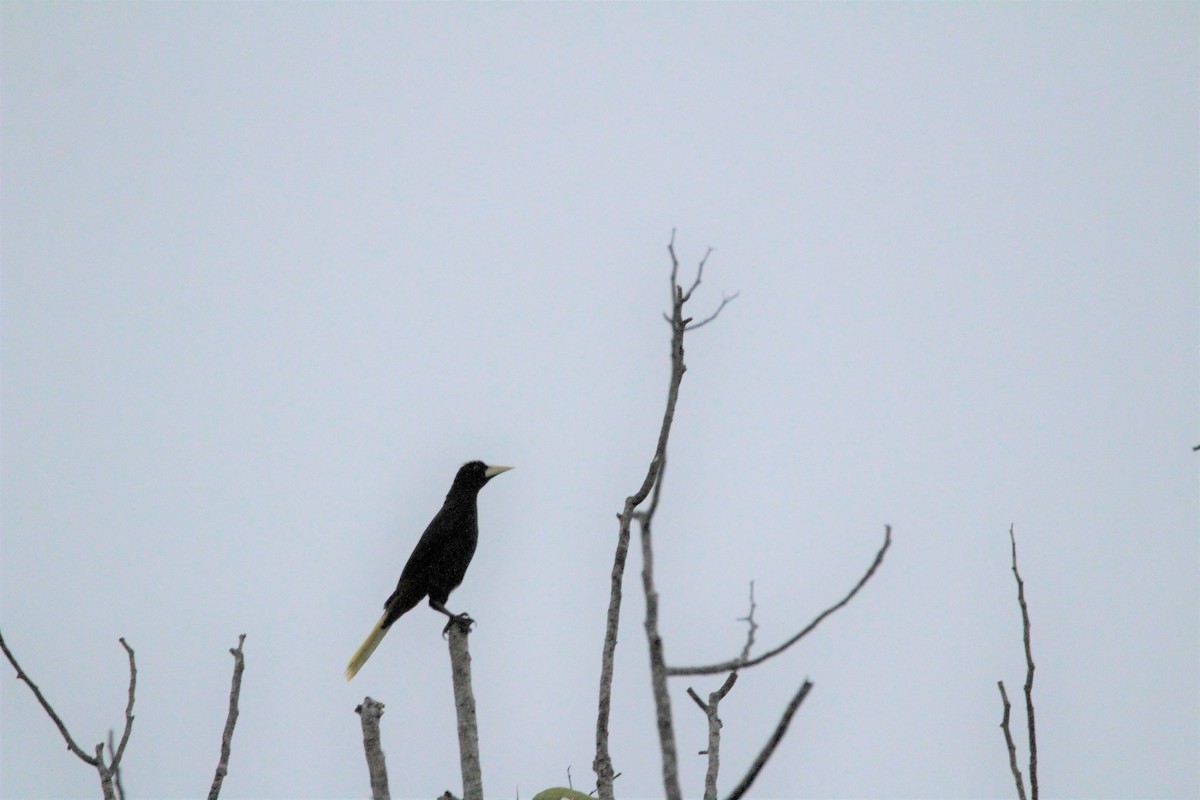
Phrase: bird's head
[474,474]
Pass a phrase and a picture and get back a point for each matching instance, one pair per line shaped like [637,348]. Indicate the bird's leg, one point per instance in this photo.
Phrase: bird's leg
[462,619]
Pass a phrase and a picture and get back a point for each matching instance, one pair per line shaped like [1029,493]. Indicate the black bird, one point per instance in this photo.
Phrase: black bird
[440,559]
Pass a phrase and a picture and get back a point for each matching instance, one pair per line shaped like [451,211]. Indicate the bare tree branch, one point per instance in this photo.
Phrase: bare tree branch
[751,626]
[1029,715]
[602,764]
[117,785]
[235,691]
[1012,747]
[369,712]
[699,270]
[742,662]
[710,708]
[726,300]
[713,752]
[658,673]
[1033,780]
[772,743]
[62,728]
[116,761]
[464,704]
[105,771]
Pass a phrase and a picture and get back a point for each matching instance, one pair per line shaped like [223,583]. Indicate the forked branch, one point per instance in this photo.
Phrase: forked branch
[1012,746]
[1029,715]
[711,711]
[602,763]
[108,771]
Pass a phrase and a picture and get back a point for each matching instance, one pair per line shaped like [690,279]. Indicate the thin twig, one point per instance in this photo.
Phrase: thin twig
[726,300]
[235,691]
[62,728]
[720,693]
[741,663]
[674,264]
[1033,783]
[116,761]
[117,785]
[772,743]
[1012,747]
[699,274]
[751,627]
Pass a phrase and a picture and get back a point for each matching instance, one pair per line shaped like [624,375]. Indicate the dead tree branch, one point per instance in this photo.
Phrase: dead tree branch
[710,708]
[1029,667]
[235,691]
[743,661]
[118,787]
[772,743]
[464,704]
[107,772]
[369,712]
[725,300]
[602,764]
[658,672]
[751,627]
[62,728]
[1012,747]
[713,752]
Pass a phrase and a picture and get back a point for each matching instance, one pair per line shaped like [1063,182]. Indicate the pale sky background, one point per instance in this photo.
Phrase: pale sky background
[272,272]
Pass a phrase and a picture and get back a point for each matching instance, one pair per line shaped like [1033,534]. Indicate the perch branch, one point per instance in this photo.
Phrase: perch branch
[742,662]
[464,705]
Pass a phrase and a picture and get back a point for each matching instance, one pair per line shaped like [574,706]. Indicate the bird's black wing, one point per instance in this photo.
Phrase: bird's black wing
[429,549]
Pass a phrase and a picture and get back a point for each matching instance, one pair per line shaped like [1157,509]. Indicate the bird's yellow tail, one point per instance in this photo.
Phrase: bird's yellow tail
[363,653]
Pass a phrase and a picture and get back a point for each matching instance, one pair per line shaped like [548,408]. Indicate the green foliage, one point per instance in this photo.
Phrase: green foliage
[559,793]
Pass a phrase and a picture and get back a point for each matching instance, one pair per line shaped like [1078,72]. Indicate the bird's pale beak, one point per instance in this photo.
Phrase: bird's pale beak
[492,472]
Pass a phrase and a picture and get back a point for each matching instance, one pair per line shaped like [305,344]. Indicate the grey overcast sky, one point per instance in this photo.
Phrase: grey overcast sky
[272,272]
